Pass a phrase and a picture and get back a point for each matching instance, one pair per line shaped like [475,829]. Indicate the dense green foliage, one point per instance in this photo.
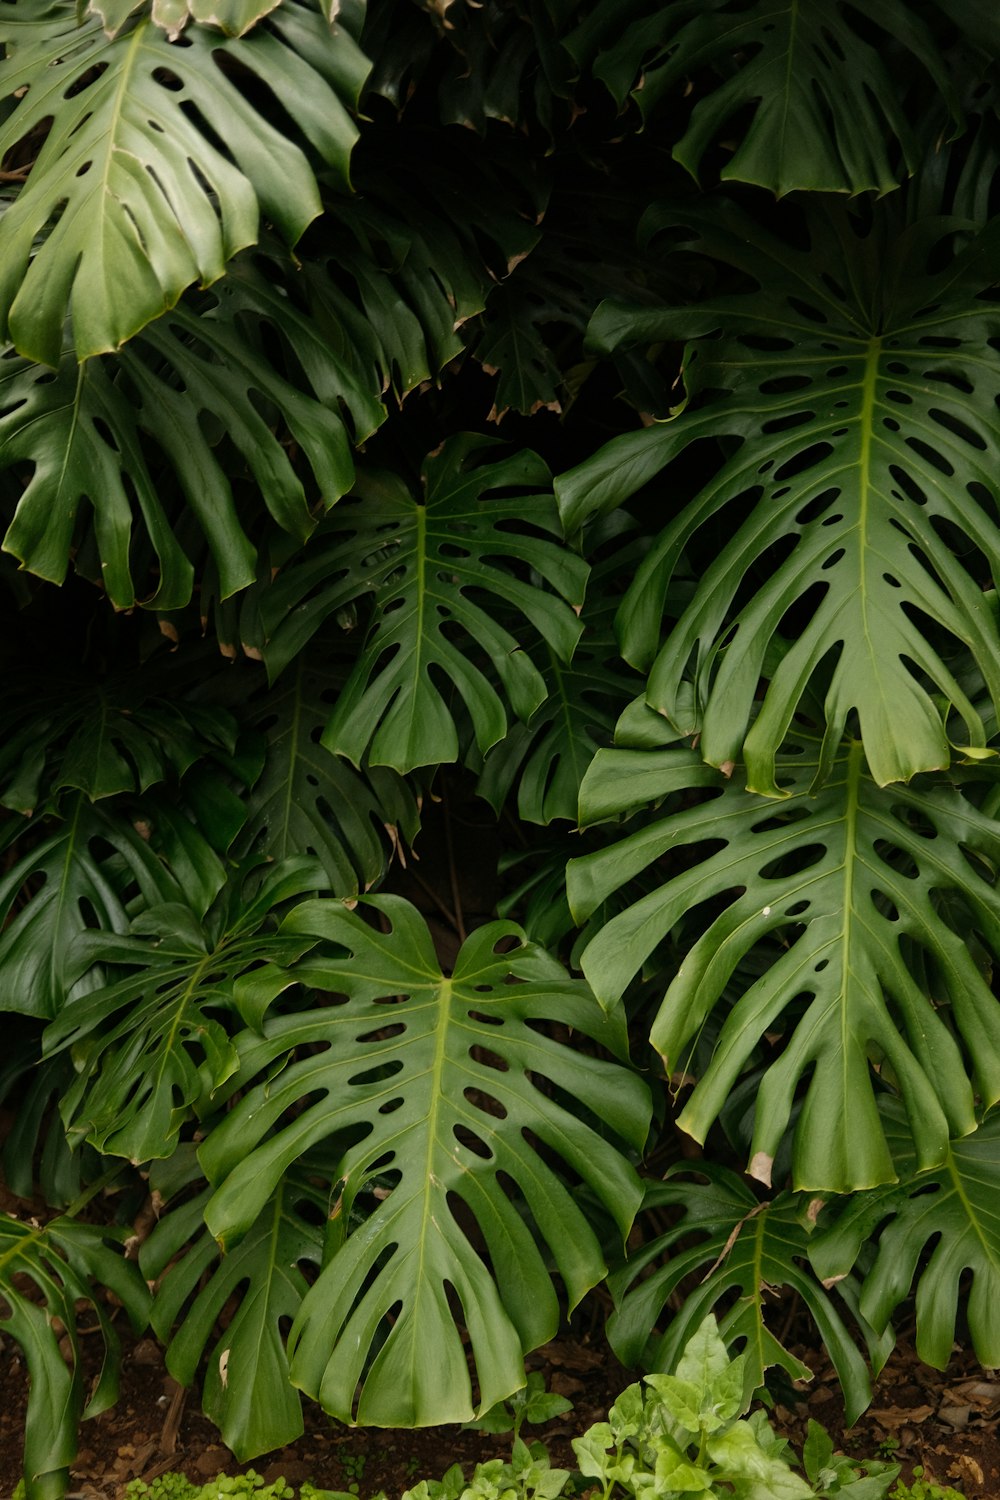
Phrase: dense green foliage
[592,406]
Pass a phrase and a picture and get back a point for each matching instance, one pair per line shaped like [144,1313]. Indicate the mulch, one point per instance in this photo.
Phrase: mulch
[945,1422]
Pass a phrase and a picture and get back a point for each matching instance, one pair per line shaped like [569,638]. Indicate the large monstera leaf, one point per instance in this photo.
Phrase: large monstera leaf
[744,1249]
[824,98]
[247,1392]
[856,390]
[278,370]
[131,195]
[151,1048]
[445,572]
[46,1272]
[83,872]
[951,1212]
[100,737]
[875,897]
[454,1095]
[309,800]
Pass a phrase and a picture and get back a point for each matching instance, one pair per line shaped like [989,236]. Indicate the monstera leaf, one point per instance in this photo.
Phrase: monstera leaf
[148,1050]
[855,493]
[949,1212]
[549,755]
[750,1249]
[247,1392]
[100,737]
[46,1271]
[454,1094]
[825,98]
[874,896]
[79,873]
[282,366]
[439,568]
[309,800]
[130,193]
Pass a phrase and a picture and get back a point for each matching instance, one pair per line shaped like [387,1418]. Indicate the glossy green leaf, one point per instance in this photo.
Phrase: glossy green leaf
[438,1086]
[82,872]
[856,398]
[811,97]
[548,756]
[871,895]
[732,1242]
[44,1271]
[247,1392]
[100,738]
[442,571]
[937,1231]
[138,199]
[150,1049]
[310,801]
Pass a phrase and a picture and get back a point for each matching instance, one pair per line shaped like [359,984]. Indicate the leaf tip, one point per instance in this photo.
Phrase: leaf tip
[760,1167]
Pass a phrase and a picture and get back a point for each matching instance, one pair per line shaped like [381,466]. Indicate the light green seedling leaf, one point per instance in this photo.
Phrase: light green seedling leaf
[754,1473]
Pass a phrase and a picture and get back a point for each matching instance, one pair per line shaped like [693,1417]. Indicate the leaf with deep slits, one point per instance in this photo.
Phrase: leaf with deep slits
[309,801]
[731,1242]
[951,1212]
[62,1262]
[859,411]
[83,871]
[247,1392]
[549,755]
[453,1092]
[150,1049]
[138,200]
[428,562]
[819,104]
[100,738]
[286,365]
[864,888]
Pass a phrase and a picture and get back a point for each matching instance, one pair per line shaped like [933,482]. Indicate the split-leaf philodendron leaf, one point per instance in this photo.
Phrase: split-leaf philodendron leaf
[867,890]
[442,571]
[130,200]
[454,1092]
[827,108]
[747,1246]
[935,1228]
[855,391]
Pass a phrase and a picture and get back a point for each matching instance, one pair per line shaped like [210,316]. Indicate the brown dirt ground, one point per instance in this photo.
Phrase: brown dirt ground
[946,1422]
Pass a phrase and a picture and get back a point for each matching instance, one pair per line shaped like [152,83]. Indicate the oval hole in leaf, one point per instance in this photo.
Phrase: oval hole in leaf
[793,863]
[384,1071]
[933,457]
[951,423]
[485,1020]
[490,1059]
[471,1142]
[816,506]
[779,384]
[807,459]
[909,486]
[786,424]
[382,1033]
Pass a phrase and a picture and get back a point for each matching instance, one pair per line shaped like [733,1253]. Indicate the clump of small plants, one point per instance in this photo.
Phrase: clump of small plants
[666,1437]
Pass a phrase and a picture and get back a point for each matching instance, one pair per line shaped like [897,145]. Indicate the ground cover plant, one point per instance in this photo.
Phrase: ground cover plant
[586,405]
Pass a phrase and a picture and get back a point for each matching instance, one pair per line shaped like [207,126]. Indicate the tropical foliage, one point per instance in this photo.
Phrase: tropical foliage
[586,412]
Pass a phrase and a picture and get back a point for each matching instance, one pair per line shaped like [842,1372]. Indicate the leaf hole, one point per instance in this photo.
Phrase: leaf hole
[931,455]
[951,423]
[807,459]
[484,1019]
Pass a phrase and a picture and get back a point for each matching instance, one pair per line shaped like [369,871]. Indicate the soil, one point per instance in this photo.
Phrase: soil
[945,1422]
